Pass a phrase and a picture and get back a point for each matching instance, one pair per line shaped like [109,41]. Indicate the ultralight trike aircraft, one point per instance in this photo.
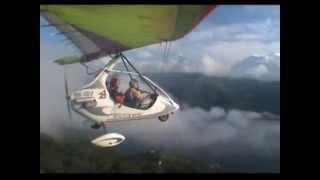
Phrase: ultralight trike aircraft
[102,31]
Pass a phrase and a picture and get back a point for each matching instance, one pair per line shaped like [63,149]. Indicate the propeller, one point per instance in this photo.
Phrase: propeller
[104,128]
[178,102]
[67,97]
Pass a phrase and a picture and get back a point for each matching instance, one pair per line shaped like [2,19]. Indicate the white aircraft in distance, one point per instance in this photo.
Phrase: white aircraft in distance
[103,32]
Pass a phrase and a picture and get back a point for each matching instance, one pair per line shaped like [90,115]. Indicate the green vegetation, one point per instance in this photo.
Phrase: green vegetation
[207,91]
[75,154]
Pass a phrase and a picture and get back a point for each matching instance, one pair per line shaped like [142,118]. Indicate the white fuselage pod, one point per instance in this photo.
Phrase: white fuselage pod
[93,102]
[108,140]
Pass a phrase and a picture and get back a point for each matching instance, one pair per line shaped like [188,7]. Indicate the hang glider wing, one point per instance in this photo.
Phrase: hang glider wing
[99,30]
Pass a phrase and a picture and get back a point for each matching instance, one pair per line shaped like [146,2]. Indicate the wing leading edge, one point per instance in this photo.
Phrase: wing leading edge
[100,30]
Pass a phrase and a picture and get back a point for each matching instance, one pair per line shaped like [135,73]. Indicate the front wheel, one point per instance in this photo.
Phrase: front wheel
[164,118]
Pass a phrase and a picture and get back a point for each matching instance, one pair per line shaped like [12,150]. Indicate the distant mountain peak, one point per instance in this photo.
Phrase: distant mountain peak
[259,55]
[258,66]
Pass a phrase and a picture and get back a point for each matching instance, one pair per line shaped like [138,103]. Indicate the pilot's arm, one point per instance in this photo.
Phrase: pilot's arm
[138,94]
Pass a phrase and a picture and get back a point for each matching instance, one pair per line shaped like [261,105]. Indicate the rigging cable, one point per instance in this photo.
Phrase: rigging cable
[168,49]
[125,65]
[140,75]
[87,69]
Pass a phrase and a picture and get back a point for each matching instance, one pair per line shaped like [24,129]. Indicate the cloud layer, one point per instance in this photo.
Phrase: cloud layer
[195,127]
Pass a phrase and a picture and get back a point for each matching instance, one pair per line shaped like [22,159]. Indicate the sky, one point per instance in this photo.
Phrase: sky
[224,38]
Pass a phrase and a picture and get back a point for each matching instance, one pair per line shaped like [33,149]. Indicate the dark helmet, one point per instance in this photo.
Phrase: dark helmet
[114,83]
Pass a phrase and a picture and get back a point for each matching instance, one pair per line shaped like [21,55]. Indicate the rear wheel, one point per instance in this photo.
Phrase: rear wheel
[164,118]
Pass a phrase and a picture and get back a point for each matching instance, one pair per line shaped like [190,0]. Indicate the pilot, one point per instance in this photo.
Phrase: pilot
[134,95]
[117,96]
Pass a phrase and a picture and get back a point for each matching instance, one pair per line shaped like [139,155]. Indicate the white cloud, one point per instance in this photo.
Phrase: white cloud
[241,119]
[258,71]
[210,66]
[195,127]
[230,53]
[217,112]
[205,65]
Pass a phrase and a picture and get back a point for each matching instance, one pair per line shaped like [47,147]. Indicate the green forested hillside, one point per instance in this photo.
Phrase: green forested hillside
[208,91]
[79,156]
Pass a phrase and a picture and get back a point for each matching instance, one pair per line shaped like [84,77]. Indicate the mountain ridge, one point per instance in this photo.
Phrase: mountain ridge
[230,93]
[261,67]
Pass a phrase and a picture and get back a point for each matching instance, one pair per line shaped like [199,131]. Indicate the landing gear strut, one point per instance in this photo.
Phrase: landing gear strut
[96,126]
[164,118]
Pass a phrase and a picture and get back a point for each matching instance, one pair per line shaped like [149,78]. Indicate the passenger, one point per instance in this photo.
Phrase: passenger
[117,96]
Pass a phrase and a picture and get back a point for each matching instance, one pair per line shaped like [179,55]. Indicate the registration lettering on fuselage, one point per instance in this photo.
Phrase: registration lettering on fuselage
[122,116]
[84,94]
